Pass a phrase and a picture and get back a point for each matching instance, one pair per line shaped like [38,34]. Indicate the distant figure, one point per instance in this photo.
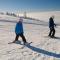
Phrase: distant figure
[51,26]
[19,31]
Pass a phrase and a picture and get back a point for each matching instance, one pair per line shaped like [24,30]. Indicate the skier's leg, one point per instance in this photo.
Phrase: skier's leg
[16,38]
[23,37]
[53,34]
[50,32]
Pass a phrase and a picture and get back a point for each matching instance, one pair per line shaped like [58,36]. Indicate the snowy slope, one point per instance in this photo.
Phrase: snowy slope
[41,48]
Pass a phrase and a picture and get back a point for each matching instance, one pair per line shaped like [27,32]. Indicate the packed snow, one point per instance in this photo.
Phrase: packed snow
[35,31]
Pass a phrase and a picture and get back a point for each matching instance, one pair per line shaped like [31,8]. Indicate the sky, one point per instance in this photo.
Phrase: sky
[29,5]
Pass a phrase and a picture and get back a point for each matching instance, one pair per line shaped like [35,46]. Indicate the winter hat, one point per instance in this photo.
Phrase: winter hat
[20,19]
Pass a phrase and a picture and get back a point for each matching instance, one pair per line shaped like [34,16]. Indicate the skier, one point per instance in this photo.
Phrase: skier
[51,26]
[19,31]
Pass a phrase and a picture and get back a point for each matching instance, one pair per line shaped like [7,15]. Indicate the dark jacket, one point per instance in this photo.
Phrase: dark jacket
[51,23]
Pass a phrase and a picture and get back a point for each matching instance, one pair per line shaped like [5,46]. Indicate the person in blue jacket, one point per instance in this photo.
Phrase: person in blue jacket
[51,26]
[19,31]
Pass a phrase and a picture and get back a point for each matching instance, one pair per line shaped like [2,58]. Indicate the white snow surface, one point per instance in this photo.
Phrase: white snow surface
[41,48]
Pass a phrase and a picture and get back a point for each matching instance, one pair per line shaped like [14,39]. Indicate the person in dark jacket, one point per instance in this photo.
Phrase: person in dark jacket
[51,26]
[19,31]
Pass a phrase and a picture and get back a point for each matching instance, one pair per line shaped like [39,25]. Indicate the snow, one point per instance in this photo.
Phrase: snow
[41,48]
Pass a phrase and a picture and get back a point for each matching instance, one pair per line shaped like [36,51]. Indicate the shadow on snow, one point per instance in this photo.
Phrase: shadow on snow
[40,50]
[57,37]
[43,51]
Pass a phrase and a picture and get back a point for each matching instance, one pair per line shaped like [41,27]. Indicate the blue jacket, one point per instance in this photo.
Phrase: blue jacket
[51,23]
[19,28]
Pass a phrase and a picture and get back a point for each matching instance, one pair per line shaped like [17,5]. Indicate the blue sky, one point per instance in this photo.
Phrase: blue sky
[29,5]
